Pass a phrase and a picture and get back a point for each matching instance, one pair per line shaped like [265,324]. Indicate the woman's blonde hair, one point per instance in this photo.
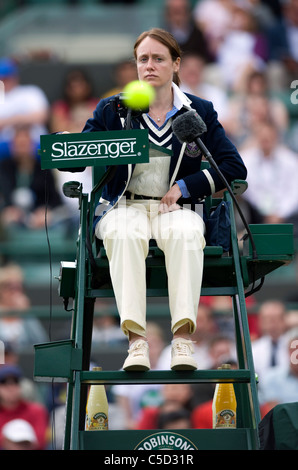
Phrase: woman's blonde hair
[165,38]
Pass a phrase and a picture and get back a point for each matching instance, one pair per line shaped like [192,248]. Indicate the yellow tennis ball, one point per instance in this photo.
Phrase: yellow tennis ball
[138,94]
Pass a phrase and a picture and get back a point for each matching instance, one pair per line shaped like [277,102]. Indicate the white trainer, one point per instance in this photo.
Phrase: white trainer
[138,356]
[182,351]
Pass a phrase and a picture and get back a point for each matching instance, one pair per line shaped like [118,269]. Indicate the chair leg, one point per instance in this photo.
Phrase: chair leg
[87,340]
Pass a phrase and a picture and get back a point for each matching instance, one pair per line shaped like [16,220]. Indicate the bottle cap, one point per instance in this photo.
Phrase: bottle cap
[226,366]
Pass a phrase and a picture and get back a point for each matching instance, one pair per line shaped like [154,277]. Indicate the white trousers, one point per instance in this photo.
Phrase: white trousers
[126,231]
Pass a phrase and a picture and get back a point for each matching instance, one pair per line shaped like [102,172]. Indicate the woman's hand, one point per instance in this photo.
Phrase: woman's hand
[169,201]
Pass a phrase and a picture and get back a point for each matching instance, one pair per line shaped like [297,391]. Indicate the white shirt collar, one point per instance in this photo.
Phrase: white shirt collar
[180,99]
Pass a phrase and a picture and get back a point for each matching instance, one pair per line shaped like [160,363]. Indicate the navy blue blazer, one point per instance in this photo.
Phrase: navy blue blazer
[198,184]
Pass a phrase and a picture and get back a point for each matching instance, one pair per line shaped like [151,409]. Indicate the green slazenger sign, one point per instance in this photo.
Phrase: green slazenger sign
[94,149]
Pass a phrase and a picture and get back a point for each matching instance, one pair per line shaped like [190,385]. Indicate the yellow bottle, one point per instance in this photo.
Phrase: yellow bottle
[97,408]
[224,405]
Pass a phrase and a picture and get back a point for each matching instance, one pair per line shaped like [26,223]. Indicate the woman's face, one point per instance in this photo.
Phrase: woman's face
[155,64]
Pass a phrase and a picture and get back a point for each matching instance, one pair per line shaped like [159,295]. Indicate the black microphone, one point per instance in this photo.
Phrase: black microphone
[188,127]
[118,104]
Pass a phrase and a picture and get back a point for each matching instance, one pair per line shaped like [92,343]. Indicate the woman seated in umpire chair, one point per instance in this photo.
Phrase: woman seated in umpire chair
[161,200]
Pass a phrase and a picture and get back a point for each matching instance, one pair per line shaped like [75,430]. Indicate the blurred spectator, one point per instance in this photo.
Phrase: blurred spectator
[214,18]
[222,306]
[76,105]
[30,389]
[283,38]
[221,350]
[206,328]
[280,384]
[275,6]
[256,111]
[178,20]
[270,349]
[265,12]
[193,81]
[124,73]
[203,418]
[71,112]
[202,414]
[15,328]
[176,418]
[243,49]
[23,104]
[14,406]
[23,185]
[272,193]
[18,434]
[174,397]
[292,319]
[253,105]
[106,329]
[134,398]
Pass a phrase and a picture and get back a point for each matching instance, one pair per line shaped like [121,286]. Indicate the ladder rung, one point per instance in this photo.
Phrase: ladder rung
[167,376]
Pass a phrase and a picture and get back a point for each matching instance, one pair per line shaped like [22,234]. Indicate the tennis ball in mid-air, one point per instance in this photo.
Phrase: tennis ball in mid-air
[138,94]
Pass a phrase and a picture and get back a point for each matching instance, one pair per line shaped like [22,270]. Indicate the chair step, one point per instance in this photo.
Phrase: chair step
[166,376]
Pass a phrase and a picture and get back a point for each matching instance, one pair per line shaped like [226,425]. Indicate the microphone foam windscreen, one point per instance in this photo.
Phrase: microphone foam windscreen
[188,126]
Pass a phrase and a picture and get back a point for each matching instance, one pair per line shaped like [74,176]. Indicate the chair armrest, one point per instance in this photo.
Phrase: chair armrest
[239,187]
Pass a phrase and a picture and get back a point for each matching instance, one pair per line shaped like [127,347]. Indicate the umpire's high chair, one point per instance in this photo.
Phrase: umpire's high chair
[234,273]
